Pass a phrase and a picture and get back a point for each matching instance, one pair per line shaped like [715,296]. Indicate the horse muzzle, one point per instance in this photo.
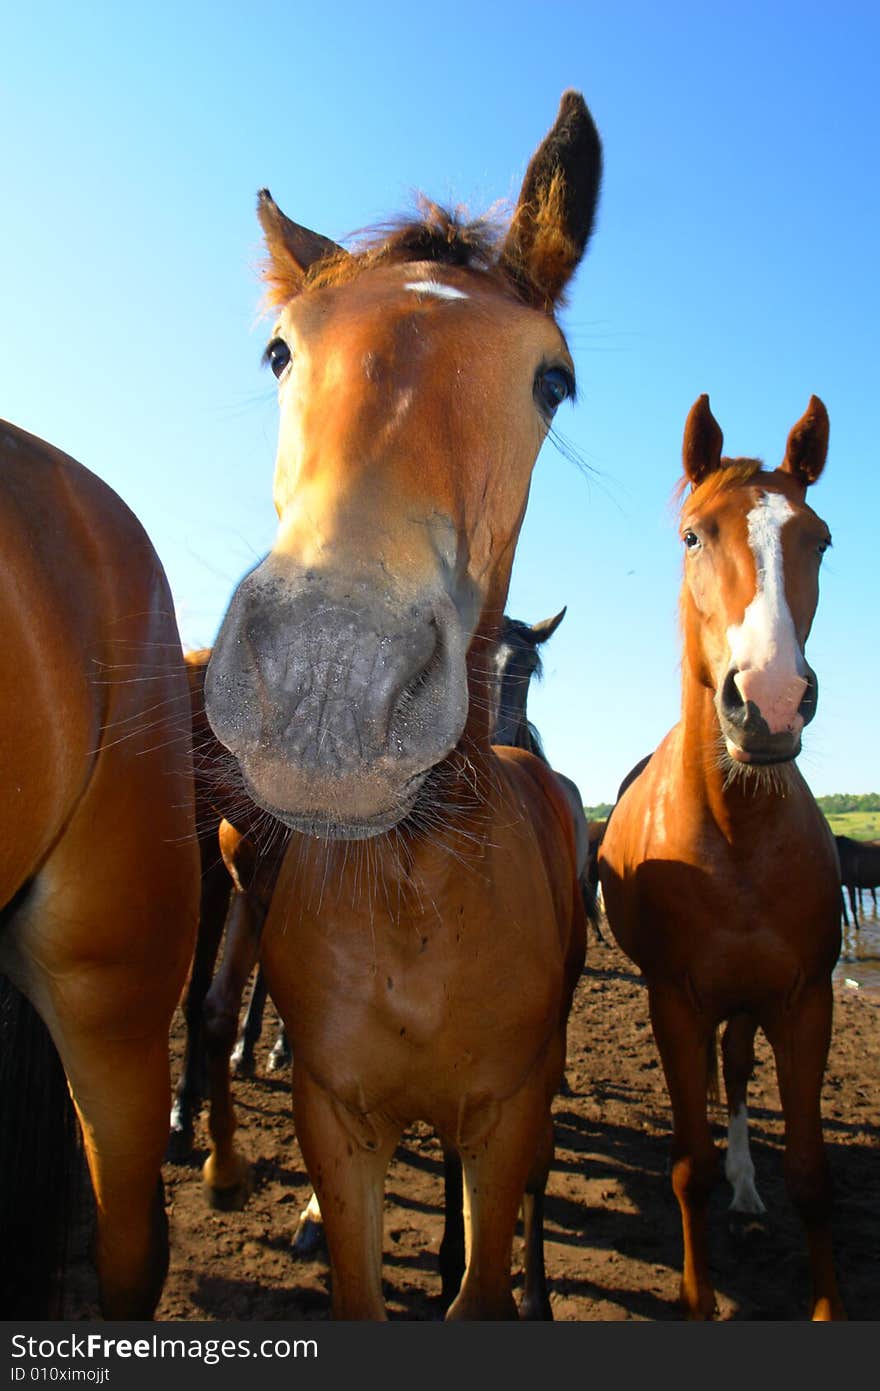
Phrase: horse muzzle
[762,719]
[336,705]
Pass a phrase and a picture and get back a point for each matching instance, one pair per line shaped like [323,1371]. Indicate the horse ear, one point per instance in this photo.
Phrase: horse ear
[807,446]
[703,440]
[292,249]
[554,215]
[542,631]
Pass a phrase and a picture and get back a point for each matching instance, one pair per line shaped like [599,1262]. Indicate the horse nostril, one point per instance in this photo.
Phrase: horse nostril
[810,698]
[732,703]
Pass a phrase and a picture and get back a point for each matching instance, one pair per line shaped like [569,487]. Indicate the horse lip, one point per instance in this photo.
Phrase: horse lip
[762,754]
[320,826]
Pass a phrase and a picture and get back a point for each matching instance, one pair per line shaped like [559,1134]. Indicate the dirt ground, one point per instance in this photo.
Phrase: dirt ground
[613,1236]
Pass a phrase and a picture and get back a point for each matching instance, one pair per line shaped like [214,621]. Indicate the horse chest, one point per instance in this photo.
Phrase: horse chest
[428,1015]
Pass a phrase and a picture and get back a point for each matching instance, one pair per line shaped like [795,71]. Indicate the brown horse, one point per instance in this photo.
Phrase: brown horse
[718,869]
[430,881]
[98,868]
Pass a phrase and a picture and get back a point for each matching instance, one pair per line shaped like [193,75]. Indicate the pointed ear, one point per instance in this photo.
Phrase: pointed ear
[807,445]
[542,631]
[554,215]
[292,249]
[703,440]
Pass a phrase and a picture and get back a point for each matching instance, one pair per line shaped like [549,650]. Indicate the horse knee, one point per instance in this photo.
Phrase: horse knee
[693,1175]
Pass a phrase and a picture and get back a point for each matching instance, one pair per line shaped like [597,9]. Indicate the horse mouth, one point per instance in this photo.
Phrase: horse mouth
[324,825]
[776,748]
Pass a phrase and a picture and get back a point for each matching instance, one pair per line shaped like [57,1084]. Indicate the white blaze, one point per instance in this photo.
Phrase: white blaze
[764,648]
[435,287]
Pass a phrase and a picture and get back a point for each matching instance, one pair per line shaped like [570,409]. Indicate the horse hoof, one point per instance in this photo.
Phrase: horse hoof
[279,1059]
[536,1310]
[228,1197]
[308,1239]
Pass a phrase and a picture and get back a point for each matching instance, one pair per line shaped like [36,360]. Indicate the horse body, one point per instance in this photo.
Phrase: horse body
[429,882]
[97,866]
[859,869]
[718,870]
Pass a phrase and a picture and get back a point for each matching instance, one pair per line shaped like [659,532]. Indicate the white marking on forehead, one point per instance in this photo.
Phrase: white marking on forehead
[766,641]
[435,287]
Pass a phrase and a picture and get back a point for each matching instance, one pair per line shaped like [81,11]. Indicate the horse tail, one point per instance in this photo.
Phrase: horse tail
[713,1085]
[39,1162]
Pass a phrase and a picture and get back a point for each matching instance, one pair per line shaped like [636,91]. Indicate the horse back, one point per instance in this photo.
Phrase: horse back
[92,658]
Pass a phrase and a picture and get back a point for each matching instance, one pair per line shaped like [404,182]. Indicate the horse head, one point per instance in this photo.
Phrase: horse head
[753,548]
[417,379]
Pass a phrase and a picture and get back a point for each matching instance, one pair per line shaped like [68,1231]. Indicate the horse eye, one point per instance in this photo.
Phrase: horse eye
[277,355]
[691,540]
[553,386]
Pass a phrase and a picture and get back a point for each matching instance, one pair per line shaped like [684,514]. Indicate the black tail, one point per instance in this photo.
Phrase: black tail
[39,1162]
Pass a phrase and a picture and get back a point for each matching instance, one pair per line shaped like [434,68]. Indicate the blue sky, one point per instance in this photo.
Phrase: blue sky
[735,253]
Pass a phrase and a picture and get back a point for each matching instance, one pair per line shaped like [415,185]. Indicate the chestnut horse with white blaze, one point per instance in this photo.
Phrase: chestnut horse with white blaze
[718,869]
[98,861]
[426,931]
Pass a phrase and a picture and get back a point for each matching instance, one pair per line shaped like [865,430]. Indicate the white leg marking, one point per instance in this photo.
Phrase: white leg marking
[738,1167]
[312,1211]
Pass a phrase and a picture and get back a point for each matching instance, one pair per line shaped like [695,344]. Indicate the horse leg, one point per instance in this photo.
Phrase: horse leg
[347,1157]
[738,1054]
[192,1086]
[281,1055]
[451,1254]
[535,1303]
[800,1035]
[853,903]
[242,1060]
[682,1039]
[226,1172]
[496,1171]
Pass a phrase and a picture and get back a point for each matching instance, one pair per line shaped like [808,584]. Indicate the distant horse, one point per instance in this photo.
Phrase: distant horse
[859,869]
[98,868]
[718,869]
[430,883]
[516,660]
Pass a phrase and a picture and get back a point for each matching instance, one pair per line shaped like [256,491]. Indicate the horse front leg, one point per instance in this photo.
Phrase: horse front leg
[226,1172]
[347,1156]
[496,1170]
[682,1037]
[800,1035]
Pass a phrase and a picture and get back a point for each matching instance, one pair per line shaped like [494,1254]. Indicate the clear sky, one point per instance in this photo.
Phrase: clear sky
[736,253]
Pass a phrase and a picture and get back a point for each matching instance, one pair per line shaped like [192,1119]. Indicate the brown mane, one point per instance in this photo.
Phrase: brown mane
[732,474]
[445,236]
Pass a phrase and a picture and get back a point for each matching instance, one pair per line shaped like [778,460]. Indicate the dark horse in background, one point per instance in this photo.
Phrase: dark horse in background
[98,874]
[859,870]
[718,869]
[517,661]
[430,882]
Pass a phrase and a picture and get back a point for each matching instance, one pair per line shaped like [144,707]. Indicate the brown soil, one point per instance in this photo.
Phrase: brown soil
[613,1236]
